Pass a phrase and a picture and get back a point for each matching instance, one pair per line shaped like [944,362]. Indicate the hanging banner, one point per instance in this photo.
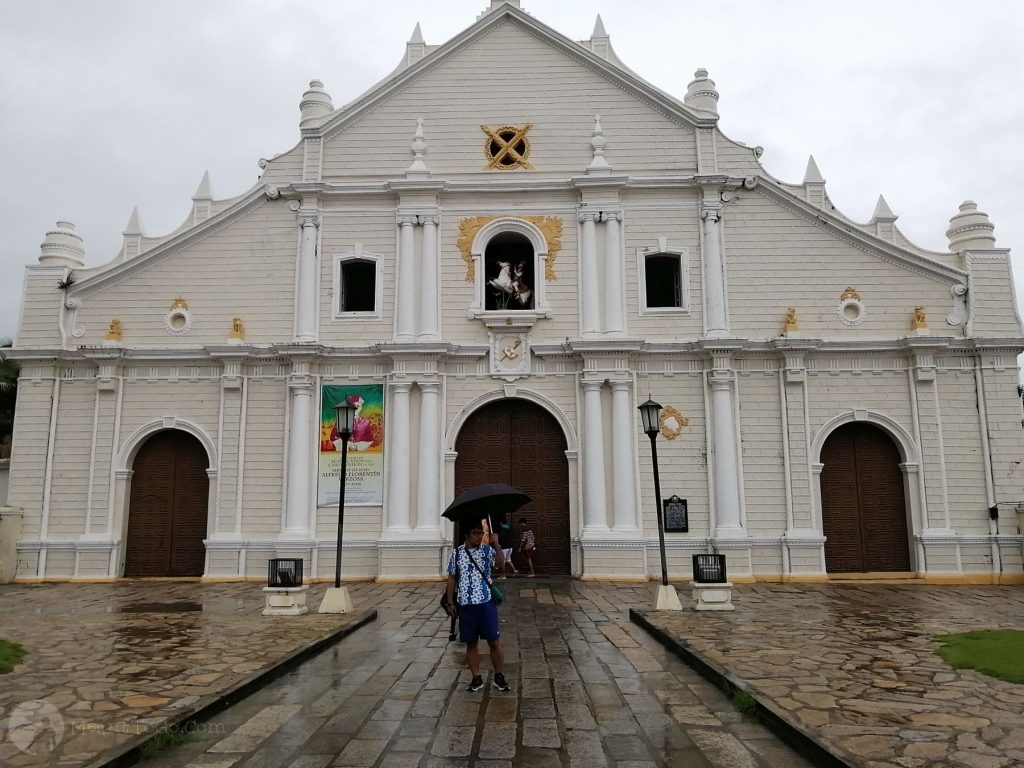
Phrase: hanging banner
[364,476]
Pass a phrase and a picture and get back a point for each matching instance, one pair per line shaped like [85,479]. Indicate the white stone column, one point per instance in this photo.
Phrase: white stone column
[300,450]
[624,515]
[589,299]
[405,304]
[727,487]
[428,516]
[614,312]
[398,482]
[306,300]
[429,326]
[716,320]
[595,516]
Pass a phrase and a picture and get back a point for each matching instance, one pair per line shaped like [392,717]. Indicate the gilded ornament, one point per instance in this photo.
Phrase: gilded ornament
[507,147]
[791,323]
[672,422]
[116,331]
[850,293]
[550,227]
[237,329]
[179,303]
[920,320]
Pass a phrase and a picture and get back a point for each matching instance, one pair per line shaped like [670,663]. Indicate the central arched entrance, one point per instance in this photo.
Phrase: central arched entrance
[517,442]
[863,510]
[168,507]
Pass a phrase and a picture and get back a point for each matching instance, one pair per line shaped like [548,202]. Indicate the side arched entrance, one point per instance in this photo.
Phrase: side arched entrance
[167,512]
[863,510]
[517,442]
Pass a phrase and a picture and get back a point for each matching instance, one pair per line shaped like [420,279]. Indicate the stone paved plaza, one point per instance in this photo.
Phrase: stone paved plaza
[850,665]
[854,665]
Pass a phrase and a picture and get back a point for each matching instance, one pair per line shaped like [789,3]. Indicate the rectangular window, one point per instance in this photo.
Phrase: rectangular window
[664,279]
[358,287]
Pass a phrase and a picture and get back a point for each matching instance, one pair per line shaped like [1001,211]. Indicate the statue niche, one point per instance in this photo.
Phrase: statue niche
[509,273]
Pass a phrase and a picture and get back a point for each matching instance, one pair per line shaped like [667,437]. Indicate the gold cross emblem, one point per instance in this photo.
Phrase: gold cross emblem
[507,147]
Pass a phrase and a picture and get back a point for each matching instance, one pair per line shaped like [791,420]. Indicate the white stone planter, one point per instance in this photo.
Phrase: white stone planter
[712,597]
[286,601]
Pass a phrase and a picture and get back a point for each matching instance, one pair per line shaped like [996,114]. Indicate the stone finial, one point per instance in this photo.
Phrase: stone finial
[415,48]
[920,320]
[115,332]
[418,169]
[599,165]
[237,332]
[790,325]
[882,211]
[131,246]
[202,200]
[598,28]
[62,247]
[495,5]
[812,175]
[316,104]
[701,94]
[970,229]
[600,42]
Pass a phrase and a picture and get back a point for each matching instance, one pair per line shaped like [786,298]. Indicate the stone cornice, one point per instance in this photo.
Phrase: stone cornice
[859,238]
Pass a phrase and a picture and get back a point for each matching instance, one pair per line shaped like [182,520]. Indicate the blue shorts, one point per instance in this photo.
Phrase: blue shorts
[478,621]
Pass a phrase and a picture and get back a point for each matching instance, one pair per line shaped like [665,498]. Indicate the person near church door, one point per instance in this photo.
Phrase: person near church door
[506,539]
[469,593]
[527,544]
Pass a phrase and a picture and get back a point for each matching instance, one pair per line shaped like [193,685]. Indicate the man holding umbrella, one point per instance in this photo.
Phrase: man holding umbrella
[469,579]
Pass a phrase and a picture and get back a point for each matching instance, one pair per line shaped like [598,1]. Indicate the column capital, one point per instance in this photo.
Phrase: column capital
[432,387]
[611,216]
[307,217]
[300,382]
[720,380]
[620,385]
[591,385]
[432,219]
[405,220]
[593,216]
[400,386]
[711,212]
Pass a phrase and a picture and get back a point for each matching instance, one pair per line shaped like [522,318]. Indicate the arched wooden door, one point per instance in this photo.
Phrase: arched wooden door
[516,442]
[863,511]
[168,507]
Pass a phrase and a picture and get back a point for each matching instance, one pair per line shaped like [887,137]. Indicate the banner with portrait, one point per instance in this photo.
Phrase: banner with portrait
[364,476]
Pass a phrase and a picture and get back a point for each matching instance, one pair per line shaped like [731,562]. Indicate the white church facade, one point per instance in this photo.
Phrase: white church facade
[496,281]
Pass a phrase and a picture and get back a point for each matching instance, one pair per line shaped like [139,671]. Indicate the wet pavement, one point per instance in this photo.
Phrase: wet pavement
[854,666]
[110,663]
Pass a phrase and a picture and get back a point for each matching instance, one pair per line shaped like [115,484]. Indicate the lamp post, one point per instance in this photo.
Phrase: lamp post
[650,417]
[336,599]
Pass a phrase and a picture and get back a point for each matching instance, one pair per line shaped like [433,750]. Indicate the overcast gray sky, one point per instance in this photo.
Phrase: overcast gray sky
[107,104]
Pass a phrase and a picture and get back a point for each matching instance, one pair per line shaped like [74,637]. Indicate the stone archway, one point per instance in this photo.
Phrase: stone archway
[517,442]
[863,508]
[168,507]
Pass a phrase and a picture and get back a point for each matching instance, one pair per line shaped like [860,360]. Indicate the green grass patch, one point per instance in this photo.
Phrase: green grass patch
[743,701]
[998,653]
[11,654]
[163,740]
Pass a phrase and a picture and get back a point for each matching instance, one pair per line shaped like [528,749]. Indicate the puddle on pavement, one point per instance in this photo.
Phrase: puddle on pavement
[180,607]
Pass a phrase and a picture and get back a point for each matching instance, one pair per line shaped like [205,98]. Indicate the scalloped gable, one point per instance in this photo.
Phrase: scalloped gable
[510,69]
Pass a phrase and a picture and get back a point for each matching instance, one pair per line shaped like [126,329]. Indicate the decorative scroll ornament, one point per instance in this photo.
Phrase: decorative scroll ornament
[672,422]
[549,226]
[507,147]
[959,314]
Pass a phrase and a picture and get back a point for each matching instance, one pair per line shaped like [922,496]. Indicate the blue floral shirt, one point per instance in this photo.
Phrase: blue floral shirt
[471,588]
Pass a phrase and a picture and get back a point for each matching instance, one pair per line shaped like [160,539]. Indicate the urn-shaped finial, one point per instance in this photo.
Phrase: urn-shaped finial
[970,229]
[62,247]
[701,93]
[316,104]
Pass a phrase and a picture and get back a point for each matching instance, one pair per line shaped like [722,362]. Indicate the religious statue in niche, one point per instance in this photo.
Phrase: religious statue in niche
[508,272]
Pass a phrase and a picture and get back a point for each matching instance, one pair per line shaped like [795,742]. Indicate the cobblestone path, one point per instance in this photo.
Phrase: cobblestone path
[589,689]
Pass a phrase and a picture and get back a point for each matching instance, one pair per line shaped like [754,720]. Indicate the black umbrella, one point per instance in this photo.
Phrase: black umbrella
[485,501]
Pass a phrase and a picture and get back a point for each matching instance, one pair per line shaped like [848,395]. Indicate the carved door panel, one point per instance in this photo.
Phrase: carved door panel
[516,442]
[167,513]
[863,508]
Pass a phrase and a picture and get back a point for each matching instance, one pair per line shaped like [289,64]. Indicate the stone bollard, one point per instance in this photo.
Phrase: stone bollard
[286,601]
[712,597]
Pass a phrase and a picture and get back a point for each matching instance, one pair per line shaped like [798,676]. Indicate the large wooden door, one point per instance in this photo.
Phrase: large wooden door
[168,507]
[516,442]
[862,504]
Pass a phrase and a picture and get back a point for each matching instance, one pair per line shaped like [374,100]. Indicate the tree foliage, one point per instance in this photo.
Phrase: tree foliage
[8,394]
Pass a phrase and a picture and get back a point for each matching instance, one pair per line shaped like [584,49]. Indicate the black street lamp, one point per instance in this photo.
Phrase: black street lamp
[650,415]
[346,415]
